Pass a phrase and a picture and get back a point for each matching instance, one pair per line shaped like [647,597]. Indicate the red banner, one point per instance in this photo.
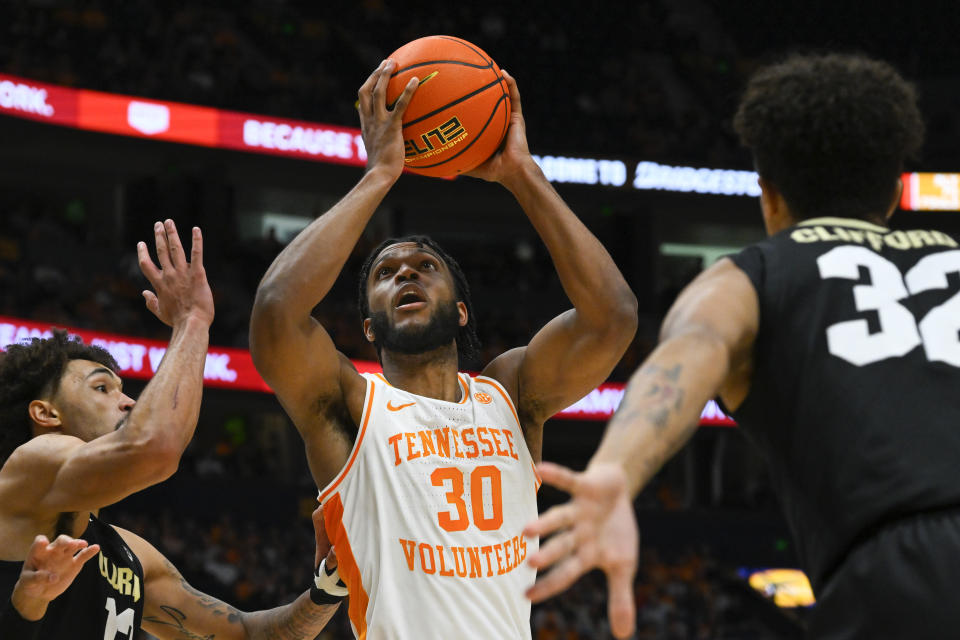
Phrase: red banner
[233,368]
[179,122]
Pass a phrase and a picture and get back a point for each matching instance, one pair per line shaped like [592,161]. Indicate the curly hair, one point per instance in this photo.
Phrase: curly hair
[831,132]
[468,343]
[33,370]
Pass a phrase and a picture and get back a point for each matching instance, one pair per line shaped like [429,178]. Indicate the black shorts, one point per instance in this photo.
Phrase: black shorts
[902,582]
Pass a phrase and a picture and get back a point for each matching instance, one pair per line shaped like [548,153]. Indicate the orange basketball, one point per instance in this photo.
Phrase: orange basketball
[459,113]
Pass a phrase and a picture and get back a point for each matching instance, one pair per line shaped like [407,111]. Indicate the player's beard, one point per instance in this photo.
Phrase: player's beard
[439,331]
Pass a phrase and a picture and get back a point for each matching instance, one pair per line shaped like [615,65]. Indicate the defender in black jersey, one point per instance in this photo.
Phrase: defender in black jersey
[836,345]
[71,442]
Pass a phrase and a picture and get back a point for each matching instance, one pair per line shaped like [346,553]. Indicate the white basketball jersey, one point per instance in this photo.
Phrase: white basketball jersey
[426,516]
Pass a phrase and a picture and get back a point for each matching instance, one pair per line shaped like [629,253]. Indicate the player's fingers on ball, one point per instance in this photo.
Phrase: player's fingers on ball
[556,581]
[380,88]
[558,476]
[514,91]
[400,107]
[620,605]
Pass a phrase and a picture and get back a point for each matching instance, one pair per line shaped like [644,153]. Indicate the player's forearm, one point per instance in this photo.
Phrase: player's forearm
[165,416]
[299,620]
[303,273]
[589,276]
[662,405]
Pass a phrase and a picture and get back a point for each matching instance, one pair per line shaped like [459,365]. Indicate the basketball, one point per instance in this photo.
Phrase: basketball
[460,112]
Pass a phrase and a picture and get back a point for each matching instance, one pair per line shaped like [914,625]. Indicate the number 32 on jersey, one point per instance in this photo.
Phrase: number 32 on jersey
[938,330]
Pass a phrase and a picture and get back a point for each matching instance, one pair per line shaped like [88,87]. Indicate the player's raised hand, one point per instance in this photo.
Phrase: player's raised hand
[380,123]
[49,569]
[180,288]
[507,161]
[596,529]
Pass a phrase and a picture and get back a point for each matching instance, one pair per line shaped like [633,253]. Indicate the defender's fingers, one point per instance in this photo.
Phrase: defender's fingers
[554,518]
[147,267]
[163,251]
[558,547]
[196,247]
[400,107]
[620,606]
[557,476]
[557,580]
[66,546]
[177,257]
[152,303]
[81,558]
[38,546]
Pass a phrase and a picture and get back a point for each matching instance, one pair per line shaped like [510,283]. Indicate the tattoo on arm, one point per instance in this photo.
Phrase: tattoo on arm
[661,396]
[300,620]
[657,399]
[177,619]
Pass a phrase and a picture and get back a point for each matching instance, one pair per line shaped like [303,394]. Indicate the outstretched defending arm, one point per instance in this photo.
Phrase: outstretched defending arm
[577,350]
[705,350]
[65,474]
[291,350]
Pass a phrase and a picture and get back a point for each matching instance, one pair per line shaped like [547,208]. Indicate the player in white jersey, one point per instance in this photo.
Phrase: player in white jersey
[427,474]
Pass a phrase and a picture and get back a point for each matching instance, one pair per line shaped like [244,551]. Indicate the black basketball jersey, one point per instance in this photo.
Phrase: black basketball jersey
[855,394]
[105,601]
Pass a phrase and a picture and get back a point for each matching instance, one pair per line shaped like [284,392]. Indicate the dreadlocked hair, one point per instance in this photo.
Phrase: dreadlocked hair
[32,370]
[468,343]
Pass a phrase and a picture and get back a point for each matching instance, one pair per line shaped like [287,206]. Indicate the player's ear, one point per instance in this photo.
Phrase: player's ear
[44,414]
[462,312]
[368,330]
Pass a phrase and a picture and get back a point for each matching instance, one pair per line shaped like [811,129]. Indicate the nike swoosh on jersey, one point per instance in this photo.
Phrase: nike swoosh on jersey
[390,406]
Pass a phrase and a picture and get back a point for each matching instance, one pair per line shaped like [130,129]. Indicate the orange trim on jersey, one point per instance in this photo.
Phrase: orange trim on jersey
[385,381]
[367,410]
[347,565]
[496,385]
[466,390]
[537,480]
